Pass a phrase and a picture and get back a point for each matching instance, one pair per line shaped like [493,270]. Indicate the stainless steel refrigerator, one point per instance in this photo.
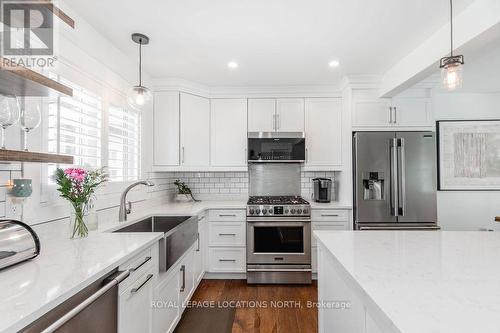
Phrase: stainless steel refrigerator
[395,180]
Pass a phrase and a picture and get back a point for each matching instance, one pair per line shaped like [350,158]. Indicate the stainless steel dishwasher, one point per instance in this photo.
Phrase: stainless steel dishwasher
[94,309]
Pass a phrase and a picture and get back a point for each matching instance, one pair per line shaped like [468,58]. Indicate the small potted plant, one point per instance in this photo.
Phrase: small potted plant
[184,193]
[78,187]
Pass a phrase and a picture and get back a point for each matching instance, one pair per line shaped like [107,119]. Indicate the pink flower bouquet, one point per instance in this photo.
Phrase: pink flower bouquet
[78,186]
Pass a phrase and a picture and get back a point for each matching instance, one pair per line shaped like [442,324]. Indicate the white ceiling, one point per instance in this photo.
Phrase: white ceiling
[275,42]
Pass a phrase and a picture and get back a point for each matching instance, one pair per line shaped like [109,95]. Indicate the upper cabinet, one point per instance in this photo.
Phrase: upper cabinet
[290,115]
[398,113]
[195,131]
[228,132]
[166,120]
[323,127]
[261,115]
[276,115]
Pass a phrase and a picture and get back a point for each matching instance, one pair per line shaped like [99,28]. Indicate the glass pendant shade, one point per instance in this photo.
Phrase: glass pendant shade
[452,76]
[138,96]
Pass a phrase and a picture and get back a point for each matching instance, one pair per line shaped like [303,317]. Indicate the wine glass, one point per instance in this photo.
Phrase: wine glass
[30,117]
[9,113]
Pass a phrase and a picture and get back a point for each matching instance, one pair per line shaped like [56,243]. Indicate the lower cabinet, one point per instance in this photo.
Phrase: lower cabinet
[186,276]
[134,305]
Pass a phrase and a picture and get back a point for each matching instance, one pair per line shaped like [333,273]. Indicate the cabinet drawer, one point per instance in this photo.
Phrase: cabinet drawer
[230,215]
[138,266]
[320,215]
[328,226]
[227,260]
[227,234]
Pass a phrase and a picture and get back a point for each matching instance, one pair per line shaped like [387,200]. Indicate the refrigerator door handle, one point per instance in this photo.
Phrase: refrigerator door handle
[394,178]
[402,175]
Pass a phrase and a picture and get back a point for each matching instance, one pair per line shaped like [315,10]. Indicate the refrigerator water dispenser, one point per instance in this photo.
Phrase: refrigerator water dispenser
[373,184]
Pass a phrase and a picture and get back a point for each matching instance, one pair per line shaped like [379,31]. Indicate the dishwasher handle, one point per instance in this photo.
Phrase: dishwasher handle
[88,301]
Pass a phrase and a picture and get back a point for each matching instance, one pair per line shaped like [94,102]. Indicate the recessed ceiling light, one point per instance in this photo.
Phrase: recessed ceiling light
[232,65]
[334,63]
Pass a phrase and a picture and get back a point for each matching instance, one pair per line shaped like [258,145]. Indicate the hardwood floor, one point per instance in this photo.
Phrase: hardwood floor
[264,308]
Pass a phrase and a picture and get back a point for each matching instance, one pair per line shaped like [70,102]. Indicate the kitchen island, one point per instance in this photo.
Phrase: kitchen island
[408,281]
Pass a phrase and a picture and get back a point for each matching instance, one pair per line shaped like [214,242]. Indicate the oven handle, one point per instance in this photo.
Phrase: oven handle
[277,220]
[278,224]
[279,270]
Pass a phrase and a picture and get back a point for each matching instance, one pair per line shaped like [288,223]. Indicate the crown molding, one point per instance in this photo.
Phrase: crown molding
[367,81]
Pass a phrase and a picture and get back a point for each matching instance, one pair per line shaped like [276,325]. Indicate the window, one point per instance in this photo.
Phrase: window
[74,126]
[124,127]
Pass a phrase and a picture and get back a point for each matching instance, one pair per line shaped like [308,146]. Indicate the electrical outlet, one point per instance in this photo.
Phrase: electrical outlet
[14,208]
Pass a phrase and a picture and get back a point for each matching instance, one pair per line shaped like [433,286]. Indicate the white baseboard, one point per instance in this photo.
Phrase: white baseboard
[225,276]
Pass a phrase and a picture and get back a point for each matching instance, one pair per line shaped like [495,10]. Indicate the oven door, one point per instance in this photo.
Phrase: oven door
[278,241]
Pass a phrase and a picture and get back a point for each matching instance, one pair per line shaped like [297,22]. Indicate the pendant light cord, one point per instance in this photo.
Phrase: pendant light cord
[140,62]
[451,27]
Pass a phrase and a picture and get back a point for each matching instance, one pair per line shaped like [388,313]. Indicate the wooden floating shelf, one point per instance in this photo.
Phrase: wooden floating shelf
[21,81]
[62,15]
[497,218]
[28,156]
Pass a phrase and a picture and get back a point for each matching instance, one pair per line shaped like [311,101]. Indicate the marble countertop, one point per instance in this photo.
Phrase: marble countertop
[443,281]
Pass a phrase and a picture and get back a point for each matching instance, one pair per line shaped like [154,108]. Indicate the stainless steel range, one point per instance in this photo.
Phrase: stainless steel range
[278,240]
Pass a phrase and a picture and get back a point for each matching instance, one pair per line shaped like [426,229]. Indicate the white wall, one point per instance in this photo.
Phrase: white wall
[467,210]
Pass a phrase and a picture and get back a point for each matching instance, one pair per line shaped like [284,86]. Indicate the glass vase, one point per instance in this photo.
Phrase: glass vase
[82,219]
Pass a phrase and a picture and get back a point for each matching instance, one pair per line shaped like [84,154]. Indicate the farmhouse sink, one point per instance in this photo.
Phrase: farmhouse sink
[180,233]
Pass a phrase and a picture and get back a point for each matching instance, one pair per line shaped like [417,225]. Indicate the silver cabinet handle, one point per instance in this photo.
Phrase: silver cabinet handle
[227,215]
[307,155]
[183,270]
[141,264]
[183,155]
[136,289]
[198,240]
[201,218]
[395,115]
[227,260]
[80,307]
[227,234]
[333,215]
[390,114]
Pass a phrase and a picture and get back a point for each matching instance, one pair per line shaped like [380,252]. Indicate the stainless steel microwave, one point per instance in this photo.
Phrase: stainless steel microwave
[276,147]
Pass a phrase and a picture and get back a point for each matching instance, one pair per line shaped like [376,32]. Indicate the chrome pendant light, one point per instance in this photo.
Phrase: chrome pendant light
[452,66]
[138,96]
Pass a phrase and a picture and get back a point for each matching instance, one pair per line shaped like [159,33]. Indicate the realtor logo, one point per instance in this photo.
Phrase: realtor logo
[28,28]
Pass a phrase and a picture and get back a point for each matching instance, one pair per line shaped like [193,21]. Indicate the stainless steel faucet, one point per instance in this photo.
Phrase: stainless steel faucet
[126,207]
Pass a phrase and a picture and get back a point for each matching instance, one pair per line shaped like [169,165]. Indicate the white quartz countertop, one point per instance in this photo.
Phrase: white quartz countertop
[443,281]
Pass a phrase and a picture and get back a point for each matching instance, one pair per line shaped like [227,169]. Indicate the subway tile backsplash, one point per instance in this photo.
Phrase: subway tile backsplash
[224,183]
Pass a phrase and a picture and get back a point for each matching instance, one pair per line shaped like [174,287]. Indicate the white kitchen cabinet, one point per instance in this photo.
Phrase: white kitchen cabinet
[261,114]
[166,118]
[290,115]
[323,127]
[227,259]
[200,251]
[228,132]
[166,312]
[392,114]
[194,131]
[412,112]
[134,304]
[372,113]
[276,115]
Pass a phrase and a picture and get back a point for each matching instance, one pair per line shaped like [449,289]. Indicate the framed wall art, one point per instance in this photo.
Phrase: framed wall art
[468,155]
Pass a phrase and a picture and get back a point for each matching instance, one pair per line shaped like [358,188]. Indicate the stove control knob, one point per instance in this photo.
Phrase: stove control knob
[299,211]
[286,211]
[292,211]
[264,211]
[252,211]
[257,211]
[306,211]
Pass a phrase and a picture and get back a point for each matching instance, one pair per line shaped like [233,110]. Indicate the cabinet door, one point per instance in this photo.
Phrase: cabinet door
[323,131]
[166,119]
[290,115]
[228,132]
[166,310]
[199,254]
[195,130]
[412,112]
[134,306]
[372,113]
[186,276]
[261,115]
